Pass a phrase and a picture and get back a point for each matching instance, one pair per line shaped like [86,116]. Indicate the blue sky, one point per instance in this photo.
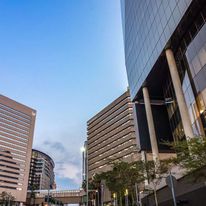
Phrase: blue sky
[65,59]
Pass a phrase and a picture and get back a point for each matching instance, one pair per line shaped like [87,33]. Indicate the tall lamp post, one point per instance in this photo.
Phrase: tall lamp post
[102,195]
[85,170]
[48,198]
[126,197]
[115,199]
[97,193]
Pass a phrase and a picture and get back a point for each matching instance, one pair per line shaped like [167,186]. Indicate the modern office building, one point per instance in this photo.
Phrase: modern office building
[165,56]
[111,135]
[16,137]
[41,176]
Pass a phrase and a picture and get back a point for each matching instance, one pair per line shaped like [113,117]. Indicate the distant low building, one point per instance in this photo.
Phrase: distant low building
[41,176]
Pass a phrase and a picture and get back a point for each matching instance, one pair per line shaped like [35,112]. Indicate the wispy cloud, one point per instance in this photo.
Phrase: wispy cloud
[68,170]
[67,164]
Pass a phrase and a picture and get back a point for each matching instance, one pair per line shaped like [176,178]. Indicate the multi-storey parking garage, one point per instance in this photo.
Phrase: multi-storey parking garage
[111,135]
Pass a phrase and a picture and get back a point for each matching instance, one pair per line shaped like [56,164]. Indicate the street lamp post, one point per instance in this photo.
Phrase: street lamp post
[97,193]
[115,199]
[48,196]
[102,194]
[137,195]
[126,198]
[85,173]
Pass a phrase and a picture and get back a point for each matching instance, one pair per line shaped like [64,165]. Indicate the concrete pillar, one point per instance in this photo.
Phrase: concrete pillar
[184,113]
[150,122]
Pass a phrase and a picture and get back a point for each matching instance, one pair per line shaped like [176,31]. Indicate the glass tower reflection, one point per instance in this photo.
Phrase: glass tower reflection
[147,26]
[151,27]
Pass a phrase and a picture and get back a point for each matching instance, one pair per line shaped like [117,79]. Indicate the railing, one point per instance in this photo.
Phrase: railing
[58,193]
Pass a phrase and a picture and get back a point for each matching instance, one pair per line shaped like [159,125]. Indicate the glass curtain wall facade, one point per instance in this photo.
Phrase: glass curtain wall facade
[165,55]
[150,28]
[191,60]
[147,26]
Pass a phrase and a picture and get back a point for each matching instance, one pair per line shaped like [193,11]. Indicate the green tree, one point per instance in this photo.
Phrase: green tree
[155,172]
[6,198]
[191,155]
[122,176]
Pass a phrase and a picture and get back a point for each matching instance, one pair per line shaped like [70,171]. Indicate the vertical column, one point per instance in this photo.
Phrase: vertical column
[186,122]
[150,123]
